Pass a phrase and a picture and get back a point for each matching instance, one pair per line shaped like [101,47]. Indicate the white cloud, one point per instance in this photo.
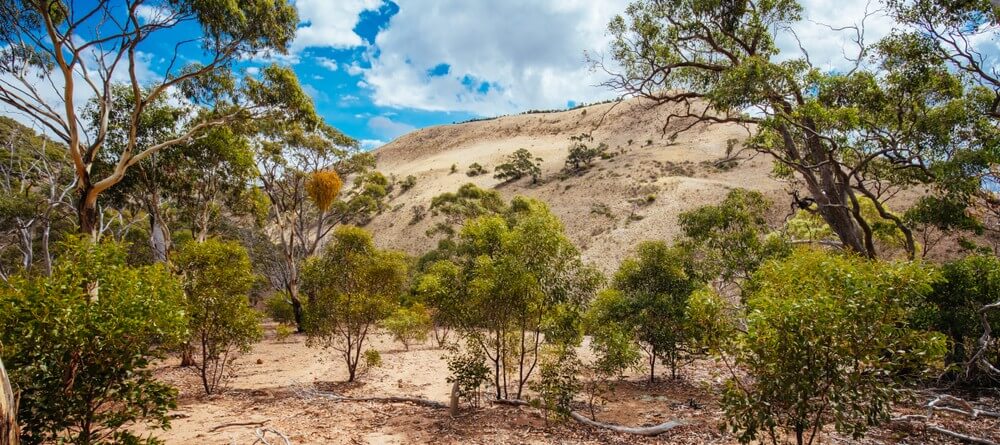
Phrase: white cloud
[529,53]
[253,71]
[388,128]
[371,144]
[829,49]
[327,63]
[353,69]
[153,14]
[330,23]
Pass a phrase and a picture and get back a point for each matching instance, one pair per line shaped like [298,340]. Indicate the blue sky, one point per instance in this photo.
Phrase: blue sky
[380,68]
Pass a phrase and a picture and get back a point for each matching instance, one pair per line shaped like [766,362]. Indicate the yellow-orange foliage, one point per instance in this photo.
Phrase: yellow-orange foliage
[323,187]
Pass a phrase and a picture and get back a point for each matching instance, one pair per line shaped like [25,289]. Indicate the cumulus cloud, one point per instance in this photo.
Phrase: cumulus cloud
[371,144]
[327,63]
[388,128]
[825,34]
[330,24]
[502,56]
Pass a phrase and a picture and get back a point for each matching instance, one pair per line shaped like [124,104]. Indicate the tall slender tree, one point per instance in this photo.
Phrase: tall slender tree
[73,50]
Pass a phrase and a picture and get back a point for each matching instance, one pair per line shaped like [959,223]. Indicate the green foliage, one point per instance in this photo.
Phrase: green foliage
[283,331]
[409,325]
[653,290]
[828,340]
[731,238]
[558,381]
[79,344]
[475,170]
[279,307]
[469,201]
[408,183]
[218,278]
[511,282]
[343,306]
[519,164]
[467,367]
[372,360]
[969,284]
[902,120]
[809,225]
[582,156]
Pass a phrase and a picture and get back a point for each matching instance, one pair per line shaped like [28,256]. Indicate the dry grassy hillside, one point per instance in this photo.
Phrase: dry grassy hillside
[680,175]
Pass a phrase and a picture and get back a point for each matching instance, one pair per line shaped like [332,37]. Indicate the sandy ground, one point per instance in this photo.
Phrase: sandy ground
[271,387]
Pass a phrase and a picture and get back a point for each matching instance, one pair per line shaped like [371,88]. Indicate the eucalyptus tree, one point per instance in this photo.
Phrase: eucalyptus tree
[515,282]
[885,123]
[303,166]
[55,54]
[36,202]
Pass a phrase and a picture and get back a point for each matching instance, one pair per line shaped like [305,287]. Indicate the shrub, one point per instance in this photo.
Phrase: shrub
[218,278]
[279,307]
[649,296]
[467,367]
[969,284]
[475,170]
[79,344]
[372,360]
[343,306]
[419,213]
[408,183]
[558,383]
[454,169]
[581,156]
[283,331]
[827,341]
[518,165]
[409,325]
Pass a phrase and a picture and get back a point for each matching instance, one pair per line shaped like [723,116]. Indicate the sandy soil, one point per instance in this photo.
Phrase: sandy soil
[271,387]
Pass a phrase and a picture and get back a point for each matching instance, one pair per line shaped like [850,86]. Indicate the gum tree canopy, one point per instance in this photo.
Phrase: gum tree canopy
[58,54]
[893,119]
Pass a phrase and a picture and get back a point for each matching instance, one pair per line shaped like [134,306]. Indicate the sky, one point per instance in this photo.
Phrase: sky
[378,69]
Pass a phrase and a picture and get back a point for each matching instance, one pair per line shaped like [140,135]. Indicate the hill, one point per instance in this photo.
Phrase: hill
[633,196]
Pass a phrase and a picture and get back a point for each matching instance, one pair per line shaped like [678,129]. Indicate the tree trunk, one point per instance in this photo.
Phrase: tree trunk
[9,433]
[159,234]
[87,212]
[187,355]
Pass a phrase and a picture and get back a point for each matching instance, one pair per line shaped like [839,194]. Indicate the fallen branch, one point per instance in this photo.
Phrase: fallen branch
[941,430]
[262,436]
[232,424]
[388,399]
[654,430]
[939,403]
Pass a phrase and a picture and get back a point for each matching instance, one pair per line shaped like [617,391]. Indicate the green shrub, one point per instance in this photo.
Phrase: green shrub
[582,156]
[467,367]
[518,165]
[558,381]
[283,331]
[409,325]
[828,340]
[969,284]
[372,360]
[408,183]
[344,306]
[79,345]
[475,170]
[218,278]
[279,307]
